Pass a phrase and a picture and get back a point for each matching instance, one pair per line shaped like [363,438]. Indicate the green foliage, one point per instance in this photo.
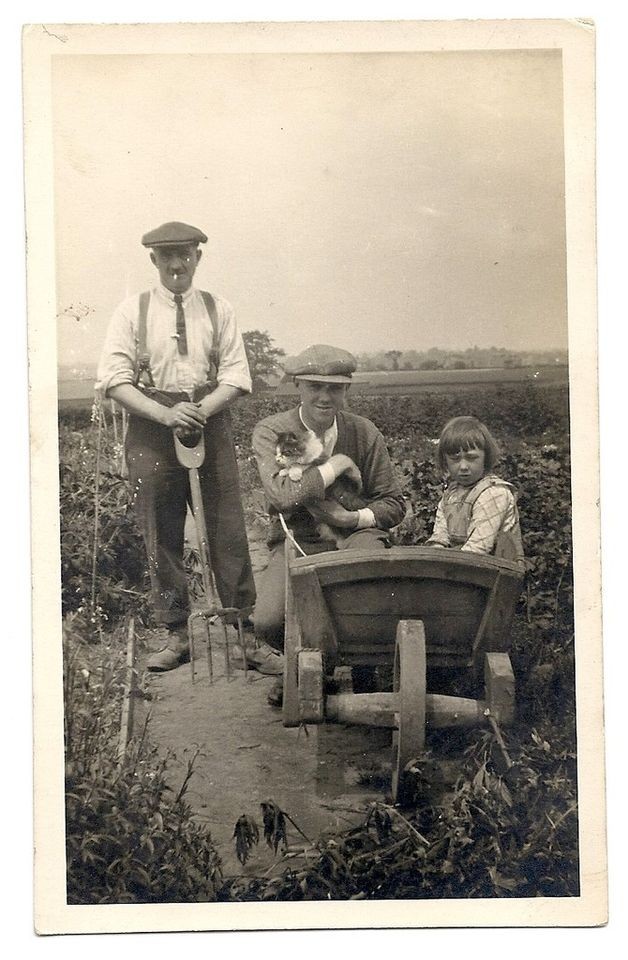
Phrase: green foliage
[274,825]
[473,357]
[509,412]
[246,835]
[261,352]
[409,422]
[121,568]
[129,839]
[543,478]
[423,487]
[502,829]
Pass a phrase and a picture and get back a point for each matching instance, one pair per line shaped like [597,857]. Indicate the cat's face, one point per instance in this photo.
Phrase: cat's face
[293,449]
[290,449]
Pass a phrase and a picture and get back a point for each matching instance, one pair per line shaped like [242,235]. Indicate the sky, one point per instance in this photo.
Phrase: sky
[373,201]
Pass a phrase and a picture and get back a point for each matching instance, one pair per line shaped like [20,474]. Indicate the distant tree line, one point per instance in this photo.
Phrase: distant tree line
[265,358]
[472,358]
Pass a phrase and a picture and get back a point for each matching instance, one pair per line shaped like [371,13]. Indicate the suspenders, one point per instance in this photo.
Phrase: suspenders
[508,545]
[143,374]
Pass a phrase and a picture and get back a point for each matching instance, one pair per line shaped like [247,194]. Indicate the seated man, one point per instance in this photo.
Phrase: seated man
[351,445]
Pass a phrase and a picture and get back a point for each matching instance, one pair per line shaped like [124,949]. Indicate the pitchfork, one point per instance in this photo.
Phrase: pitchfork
[193,457]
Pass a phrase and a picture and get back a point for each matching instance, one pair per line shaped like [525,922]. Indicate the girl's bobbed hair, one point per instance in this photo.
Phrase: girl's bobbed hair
[465,433]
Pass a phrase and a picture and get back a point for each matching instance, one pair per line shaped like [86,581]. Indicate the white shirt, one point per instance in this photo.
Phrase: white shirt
[171,370]
[366,517]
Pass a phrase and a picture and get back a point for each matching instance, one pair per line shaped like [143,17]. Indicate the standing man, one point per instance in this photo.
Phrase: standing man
[175,359]
[352,445]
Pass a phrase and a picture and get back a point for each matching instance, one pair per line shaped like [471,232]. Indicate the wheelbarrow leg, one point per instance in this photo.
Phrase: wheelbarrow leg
[409,682]
[292,644]
[499,682]
[310,686]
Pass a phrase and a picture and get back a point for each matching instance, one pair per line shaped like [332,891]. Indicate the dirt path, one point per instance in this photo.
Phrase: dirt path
[247,756]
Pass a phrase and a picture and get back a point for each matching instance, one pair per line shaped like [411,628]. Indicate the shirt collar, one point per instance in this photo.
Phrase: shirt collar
[329,437]
[168,296]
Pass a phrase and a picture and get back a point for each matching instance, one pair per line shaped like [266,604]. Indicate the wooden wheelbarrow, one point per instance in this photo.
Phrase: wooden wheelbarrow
[410,607]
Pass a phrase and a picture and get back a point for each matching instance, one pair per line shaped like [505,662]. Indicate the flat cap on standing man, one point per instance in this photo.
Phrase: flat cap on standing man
[175,359]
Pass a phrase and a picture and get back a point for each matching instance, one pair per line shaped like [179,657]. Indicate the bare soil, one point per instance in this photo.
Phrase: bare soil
[323,777]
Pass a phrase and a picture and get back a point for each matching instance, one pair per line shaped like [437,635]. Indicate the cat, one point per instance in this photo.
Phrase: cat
[294,454]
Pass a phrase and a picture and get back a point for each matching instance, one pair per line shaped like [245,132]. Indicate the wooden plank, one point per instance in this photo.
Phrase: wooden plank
[494,632]
[497,634]
[409,681]
[292,644]
[128,702]
[380,569]
[383,648]
[499,681]
[366,614]
[316,626]
[382,561]
[448,659]
[491,601]
[393,554]
[311,700]
[349,603]
[362,599]
[368,607]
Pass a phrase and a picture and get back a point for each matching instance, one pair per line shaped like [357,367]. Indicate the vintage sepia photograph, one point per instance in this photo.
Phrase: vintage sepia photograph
[316,567]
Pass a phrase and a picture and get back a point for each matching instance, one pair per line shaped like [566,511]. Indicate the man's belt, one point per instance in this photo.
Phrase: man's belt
[168,398]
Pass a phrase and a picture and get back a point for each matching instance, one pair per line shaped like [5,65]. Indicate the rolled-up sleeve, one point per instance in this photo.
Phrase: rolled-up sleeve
[282,492]
[233,366]
[119,353]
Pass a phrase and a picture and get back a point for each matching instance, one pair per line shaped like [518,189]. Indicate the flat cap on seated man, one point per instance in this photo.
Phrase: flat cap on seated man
[322,364]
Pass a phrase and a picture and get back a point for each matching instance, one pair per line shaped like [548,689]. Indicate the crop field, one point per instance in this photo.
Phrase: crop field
[507,826]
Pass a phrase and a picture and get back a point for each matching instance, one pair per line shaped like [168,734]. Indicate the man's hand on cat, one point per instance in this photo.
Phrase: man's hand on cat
[344,464]
[328,511]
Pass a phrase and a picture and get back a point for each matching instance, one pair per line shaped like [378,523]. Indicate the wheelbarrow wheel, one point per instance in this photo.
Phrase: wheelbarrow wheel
[409,684]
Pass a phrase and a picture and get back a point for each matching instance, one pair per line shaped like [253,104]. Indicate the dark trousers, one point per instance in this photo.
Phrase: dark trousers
[160,494]
[271,600]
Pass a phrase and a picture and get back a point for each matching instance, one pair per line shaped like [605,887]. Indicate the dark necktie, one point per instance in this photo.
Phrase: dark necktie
[182,341]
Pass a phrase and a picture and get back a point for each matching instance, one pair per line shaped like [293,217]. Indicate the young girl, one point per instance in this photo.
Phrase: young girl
[478,511]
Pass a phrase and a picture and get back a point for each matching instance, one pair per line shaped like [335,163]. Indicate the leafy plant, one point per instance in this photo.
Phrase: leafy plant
[102,553]
[129,838]
[502,829]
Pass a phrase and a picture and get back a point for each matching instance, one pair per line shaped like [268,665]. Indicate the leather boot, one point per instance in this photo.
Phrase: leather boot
[176,652]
